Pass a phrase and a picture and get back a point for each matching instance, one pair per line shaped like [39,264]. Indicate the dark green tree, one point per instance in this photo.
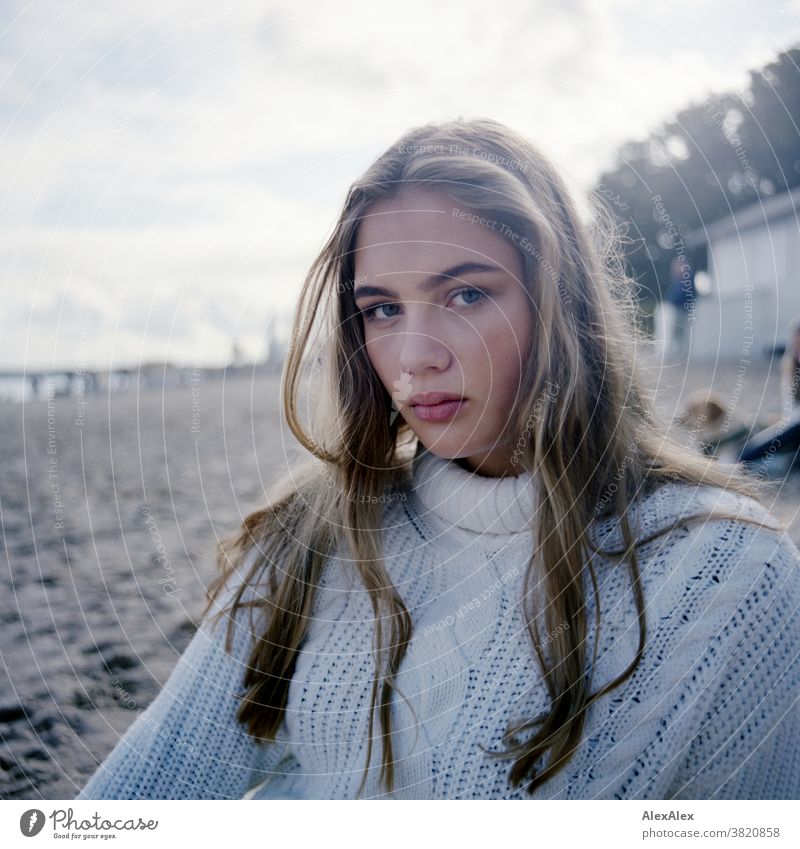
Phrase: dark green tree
[712,158]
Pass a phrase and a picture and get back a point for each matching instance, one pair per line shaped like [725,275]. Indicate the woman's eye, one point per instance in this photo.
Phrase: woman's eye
[369,312]
[469,294]
[471,291]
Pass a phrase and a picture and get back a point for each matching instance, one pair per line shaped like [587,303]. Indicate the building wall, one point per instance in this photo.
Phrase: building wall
[755,277]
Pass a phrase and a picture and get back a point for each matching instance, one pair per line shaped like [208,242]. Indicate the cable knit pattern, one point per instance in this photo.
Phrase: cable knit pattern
[712,711]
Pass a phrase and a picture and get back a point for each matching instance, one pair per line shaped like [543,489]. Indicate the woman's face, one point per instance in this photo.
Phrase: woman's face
[454,319]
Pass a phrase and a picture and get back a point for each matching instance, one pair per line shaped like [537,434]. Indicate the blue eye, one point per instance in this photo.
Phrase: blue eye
[369,313]
[471,291]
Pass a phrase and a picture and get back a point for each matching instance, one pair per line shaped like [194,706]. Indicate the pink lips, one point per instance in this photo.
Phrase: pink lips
[439,412]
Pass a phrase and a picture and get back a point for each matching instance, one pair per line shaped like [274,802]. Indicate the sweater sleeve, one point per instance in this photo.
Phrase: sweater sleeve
[748,744]
[188,743]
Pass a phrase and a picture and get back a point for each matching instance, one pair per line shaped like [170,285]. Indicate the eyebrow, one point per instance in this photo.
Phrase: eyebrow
[431,282]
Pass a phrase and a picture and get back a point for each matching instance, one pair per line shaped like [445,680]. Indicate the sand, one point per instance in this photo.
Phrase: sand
[110,527]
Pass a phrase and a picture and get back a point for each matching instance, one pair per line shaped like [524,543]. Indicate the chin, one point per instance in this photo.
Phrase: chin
[441,449]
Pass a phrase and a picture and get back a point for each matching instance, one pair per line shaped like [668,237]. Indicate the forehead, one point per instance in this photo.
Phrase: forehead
[424,230]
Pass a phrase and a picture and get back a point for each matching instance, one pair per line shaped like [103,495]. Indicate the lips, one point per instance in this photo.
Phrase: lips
[431,398]
[440,412]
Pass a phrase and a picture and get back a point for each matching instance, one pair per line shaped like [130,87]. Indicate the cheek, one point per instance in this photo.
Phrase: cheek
[507,350]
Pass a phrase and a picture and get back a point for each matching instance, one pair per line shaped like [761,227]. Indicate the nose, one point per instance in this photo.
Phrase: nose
[420,350]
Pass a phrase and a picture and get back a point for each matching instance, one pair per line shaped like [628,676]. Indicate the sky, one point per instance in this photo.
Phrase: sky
[168,171]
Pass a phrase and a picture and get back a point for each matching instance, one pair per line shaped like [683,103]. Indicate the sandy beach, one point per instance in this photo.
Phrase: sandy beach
[110,517]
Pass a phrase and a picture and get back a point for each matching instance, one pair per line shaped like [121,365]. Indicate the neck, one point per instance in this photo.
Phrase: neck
[486,468]
[479,503]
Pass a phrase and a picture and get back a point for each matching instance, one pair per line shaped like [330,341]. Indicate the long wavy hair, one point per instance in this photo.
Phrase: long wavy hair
[597,445]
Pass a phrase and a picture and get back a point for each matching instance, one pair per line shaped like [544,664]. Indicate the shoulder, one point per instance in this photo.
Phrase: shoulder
[724,558]
[240,601]
[717,593]
[676,503]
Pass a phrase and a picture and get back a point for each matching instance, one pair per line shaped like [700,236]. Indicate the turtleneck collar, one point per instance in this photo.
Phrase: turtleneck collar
[477,503]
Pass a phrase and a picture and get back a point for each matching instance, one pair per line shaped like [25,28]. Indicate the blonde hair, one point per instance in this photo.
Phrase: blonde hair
[596,446]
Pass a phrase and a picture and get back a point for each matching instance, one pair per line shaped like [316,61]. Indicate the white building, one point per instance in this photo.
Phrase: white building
[754,271]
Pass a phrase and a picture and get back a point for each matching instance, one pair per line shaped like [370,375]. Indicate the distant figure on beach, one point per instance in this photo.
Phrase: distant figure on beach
[496,573]
[716,430]
[680,296]
[782,438]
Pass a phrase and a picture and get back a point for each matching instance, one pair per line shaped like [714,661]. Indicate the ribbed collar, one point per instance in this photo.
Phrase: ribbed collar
[474,502]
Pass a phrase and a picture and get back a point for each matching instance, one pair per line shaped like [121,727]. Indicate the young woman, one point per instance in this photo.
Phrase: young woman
[498,576]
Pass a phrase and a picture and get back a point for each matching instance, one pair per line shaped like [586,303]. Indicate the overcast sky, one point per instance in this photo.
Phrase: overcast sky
[169,170]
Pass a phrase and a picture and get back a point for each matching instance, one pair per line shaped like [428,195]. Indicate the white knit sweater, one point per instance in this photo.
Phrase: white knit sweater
[712,711]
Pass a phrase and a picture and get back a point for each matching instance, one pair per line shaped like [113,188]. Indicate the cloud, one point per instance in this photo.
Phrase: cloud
[181,151]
